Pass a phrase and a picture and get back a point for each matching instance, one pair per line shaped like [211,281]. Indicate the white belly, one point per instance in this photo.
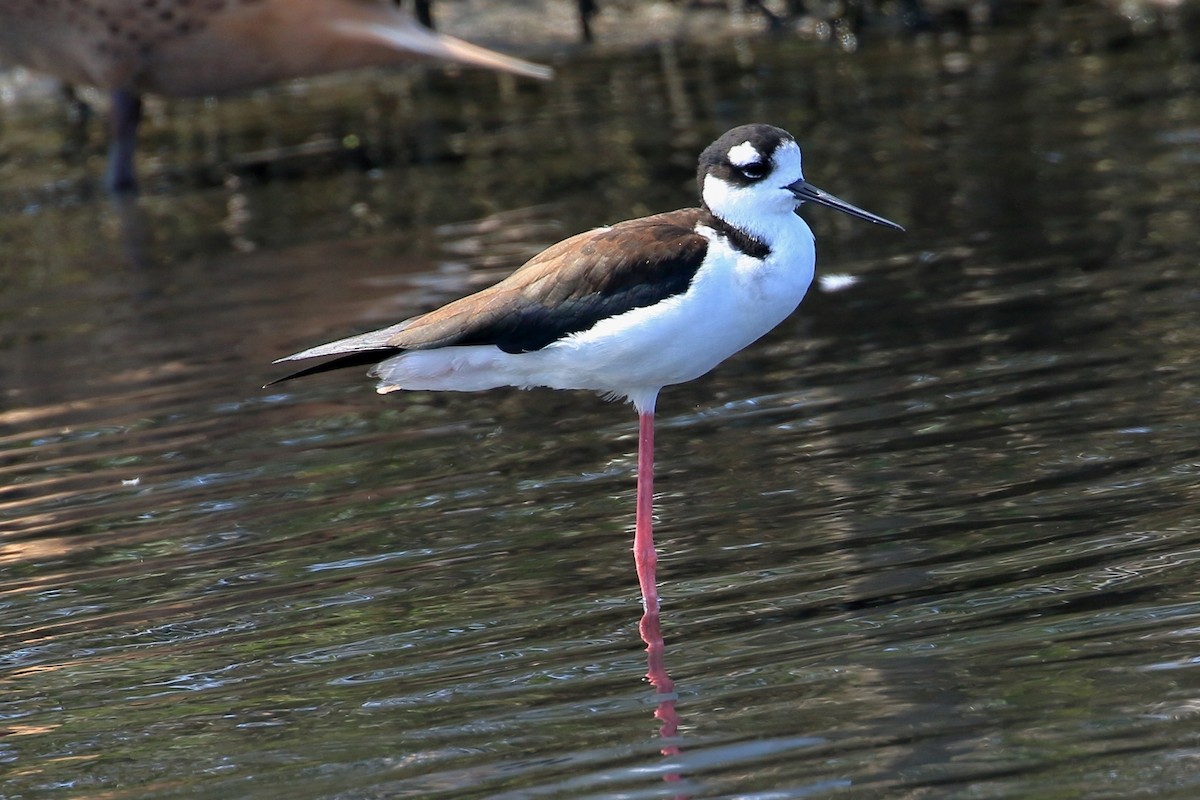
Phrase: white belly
[732,301]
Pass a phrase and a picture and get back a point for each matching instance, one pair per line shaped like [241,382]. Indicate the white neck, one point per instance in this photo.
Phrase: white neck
[767,209]
[768,216]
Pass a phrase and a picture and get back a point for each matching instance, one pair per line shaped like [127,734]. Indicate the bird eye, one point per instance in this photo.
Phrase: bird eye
[754,171]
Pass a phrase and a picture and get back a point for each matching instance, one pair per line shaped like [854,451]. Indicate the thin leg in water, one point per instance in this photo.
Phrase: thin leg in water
[644,555]
[646,558]
[125,113]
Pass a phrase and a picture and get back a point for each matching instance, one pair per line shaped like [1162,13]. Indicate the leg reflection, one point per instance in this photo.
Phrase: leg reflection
[664,687]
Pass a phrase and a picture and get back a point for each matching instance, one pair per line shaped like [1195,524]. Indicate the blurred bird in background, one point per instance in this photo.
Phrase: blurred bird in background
[193,48]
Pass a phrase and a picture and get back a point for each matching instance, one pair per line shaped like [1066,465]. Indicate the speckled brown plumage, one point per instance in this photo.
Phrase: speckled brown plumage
[189,48]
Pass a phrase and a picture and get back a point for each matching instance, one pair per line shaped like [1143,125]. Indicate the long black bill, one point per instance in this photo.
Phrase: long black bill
[806,192]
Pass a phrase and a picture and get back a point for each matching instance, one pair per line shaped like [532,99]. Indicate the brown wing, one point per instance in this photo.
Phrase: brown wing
[569,287]
[565,289]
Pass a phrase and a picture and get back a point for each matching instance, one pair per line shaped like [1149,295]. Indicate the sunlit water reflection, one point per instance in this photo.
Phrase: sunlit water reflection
[936,536]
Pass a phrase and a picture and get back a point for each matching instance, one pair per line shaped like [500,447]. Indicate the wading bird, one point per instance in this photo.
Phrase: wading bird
[193,48]
[628,309]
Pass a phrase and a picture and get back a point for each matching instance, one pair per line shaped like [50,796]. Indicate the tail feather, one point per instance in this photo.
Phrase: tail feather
[372,340]
[360,358]
[353,351]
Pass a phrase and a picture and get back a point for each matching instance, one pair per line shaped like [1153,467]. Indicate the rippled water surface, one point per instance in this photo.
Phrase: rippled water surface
[936,536]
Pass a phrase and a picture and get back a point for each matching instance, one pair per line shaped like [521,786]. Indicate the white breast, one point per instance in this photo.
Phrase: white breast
[733,300]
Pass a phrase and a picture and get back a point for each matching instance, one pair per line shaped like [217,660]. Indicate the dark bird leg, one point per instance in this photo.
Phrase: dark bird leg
[587,10]
[124,115]
[424,12]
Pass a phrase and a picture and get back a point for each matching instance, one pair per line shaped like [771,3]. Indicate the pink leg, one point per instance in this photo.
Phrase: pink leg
[646,559]
[643,536]
[656,672]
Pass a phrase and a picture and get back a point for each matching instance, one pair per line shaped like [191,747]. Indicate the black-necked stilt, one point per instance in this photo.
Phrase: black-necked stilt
[627,309]
[191,49]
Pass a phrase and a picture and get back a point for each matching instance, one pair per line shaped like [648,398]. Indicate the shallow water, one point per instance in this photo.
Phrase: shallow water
[936,536]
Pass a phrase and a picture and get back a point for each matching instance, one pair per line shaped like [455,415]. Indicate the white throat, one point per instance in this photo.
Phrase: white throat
[762,209]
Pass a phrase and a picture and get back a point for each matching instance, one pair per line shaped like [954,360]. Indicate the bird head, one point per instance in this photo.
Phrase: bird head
[755,172]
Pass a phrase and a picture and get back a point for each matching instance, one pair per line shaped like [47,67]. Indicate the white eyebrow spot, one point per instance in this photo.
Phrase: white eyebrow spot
[744,154]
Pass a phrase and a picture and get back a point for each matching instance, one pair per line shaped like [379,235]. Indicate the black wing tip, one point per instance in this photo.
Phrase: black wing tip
[360,359]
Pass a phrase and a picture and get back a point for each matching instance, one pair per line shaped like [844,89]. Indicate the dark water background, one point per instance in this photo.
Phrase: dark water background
[936,536]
